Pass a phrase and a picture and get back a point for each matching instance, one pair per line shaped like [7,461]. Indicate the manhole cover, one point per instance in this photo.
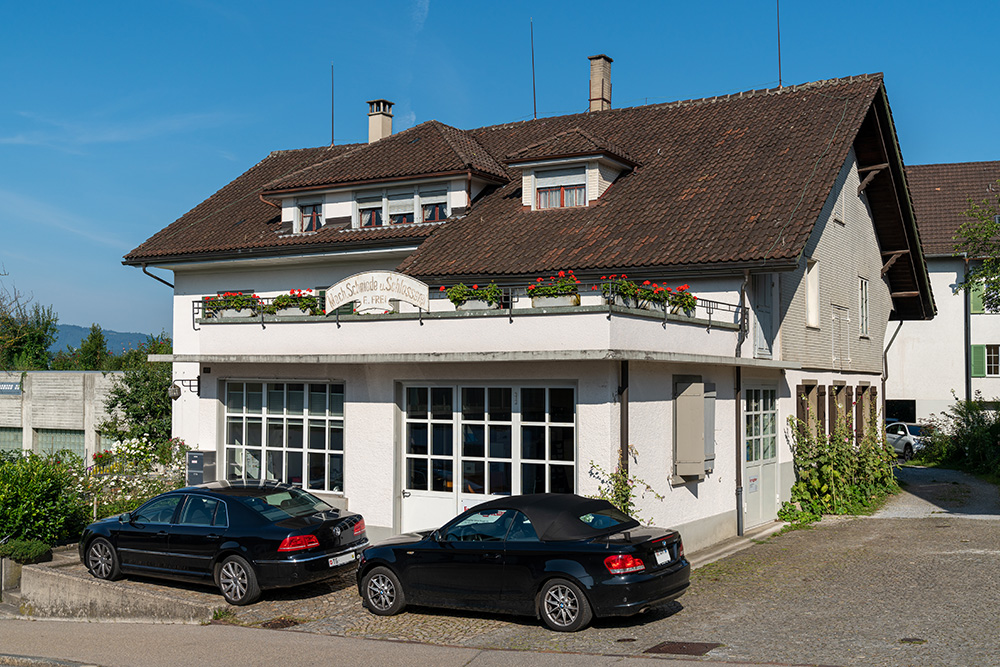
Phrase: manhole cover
[683,648]
[912,640]
[279,623]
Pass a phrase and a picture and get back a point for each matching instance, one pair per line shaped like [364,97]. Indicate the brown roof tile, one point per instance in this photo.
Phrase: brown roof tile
[941,194]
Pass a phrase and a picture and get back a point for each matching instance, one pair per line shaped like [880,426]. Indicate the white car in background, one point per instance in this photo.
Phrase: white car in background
[906,438]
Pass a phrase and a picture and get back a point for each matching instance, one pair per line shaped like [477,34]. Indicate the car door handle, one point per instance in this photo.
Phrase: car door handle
[162,533]
[213,536]
[491,556]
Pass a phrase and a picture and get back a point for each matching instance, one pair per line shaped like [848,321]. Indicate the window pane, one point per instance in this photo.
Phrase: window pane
[295,468]
[295,433]
[533,442]
[561,443]
[336,437]
[500,478]
[336,479]
[317,470]
[441,402]
[234,463]
[442,440]
[500,442]
[254,433]
[255,398]
[337,400]
[474,477]
[474,440]
[274,465]
[276,398]
[560,479]
[416,438]
[234,397]
[474,403]
[443,478]
[500,401]
[561,407]
[533,478]
[575,196]
[317,399]
[252,464]
[296,399]
[317,434]
[533,404]
[549,197]
[235,436]
[275,433]
[416,474]
[416,402]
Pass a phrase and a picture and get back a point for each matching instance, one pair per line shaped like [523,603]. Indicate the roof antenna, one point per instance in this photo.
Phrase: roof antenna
[777,7]
[534,101]
[331,104]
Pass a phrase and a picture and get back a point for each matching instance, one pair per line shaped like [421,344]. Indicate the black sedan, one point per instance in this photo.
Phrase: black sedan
[243,537]
[558,556]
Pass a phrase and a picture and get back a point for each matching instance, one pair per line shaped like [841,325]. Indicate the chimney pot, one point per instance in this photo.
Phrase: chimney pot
[600,82]
[379,120]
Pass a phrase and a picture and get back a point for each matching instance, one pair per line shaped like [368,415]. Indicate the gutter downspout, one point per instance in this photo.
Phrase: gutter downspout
[967,326]
[623,417]
[156,277]
[738,389]
[885,363]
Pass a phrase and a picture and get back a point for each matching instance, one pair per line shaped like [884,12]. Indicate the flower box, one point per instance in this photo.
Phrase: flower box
[477,304]
[555,301]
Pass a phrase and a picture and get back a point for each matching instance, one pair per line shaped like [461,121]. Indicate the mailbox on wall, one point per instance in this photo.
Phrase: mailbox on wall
[200,467]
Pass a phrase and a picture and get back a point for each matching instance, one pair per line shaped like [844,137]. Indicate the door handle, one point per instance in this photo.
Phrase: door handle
[406,494]
[212,536]
[491,556]
[162,533]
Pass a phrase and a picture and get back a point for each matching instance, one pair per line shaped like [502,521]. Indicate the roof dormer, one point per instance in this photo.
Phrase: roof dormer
[569,169]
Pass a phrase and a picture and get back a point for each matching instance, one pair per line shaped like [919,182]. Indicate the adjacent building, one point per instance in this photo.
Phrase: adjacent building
[785,211]
[930,364]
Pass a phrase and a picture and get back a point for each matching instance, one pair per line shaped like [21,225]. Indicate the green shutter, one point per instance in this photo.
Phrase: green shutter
[976,299]
[978,359]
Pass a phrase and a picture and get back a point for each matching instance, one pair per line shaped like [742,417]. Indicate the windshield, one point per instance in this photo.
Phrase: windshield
[285,503]
[608,518]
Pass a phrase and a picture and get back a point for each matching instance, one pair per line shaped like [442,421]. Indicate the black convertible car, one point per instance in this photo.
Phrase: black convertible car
[243,536]
[559,556]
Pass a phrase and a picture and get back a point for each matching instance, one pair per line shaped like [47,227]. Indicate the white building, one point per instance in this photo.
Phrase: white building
[957,355]
[777,207]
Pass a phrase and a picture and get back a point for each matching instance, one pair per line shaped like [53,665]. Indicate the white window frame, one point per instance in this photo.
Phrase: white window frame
[562,177]
[300,220]
[992,360]
[760,425]
[863,306]
[395,201]
[328,420]
[812,294]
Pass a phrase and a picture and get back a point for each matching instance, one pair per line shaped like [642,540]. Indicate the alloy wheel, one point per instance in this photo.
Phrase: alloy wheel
[233,580]
[381,592]
[561,605]
[101,559]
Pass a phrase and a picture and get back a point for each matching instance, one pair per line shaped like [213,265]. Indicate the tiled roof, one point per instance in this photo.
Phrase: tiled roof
[941,194]
[737,179]
[569,142]
[733,180]
[428,148]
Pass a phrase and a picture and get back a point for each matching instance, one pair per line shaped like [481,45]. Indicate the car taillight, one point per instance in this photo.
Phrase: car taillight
[298,543]
[359,527]
[623,563]
[680,549]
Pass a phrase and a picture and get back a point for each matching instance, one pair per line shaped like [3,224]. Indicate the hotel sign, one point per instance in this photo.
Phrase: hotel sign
[373,291]
[11,388]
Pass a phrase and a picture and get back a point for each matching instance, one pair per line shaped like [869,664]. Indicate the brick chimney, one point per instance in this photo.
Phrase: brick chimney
[600,82]
[379,120]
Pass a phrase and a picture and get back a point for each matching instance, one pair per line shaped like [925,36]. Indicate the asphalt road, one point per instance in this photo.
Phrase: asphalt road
[915,584]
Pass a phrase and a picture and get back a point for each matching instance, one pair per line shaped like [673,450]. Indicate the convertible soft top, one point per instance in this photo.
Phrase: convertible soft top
[556,516]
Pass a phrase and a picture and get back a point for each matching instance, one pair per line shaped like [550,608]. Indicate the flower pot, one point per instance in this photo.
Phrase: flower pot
[555,301]
[477,304]
[233,312]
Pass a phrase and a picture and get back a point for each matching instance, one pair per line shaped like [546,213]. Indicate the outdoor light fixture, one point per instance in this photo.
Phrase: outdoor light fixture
[174,392]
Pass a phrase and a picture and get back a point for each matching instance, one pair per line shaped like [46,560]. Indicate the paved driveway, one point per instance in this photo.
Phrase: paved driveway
[915,584]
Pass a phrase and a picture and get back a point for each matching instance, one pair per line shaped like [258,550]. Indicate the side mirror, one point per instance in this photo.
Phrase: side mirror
[125,518]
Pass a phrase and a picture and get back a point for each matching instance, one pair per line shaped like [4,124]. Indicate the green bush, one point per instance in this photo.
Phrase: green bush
[38,499]
[967,436]
[26,552]
[836,475]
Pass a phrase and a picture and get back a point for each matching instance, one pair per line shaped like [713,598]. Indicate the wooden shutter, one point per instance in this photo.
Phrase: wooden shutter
[977,357]
[821,409]
[859,413]
[800,404]
[976,299]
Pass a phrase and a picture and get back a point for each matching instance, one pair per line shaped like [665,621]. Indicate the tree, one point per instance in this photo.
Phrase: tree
[979,239]
[138,401]
[94,353]
[26,330]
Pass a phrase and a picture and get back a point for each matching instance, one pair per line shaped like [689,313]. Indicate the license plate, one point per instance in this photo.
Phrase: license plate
[343,559]
[662,556]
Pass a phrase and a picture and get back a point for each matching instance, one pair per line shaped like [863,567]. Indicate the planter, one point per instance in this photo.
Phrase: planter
[232,312]
[555,301]
[477,304]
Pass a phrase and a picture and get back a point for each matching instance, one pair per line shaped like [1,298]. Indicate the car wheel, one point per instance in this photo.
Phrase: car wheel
[564,607]
[907,453]
[102,561]
[382,593]
[237,581]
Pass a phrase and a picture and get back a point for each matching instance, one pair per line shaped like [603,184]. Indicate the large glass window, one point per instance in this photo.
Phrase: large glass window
[10,439]
[291,432]
[474,440]
[52,440]
[312,217]
[561,188]
[761,418]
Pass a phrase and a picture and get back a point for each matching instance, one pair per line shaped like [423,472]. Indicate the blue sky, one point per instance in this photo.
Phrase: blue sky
[118,117]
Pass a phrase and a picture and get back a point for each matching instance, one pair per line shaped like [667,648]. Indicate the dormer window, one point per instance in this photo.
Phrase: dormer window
[401,208]
[433,205]
[370,211]
[561,188]
[312,217]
